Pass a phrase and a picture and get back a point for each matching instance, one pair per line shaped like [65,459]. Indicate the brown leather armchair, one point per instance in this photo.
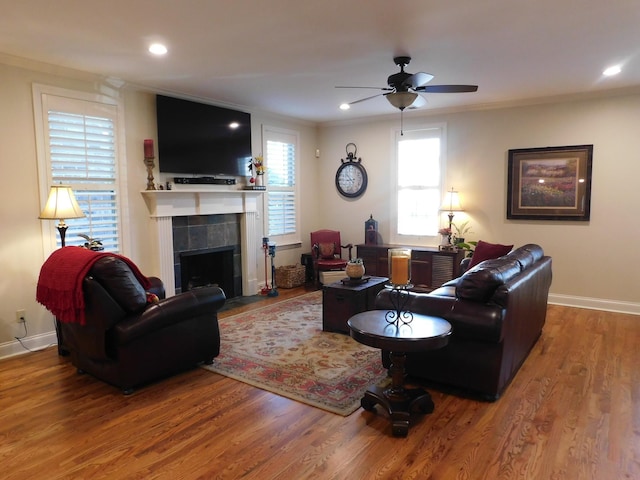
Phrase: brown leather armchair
[128,341]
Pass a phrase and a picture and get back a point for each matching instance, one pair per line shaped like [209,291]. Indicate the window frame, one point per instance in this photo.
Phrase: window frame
[398,135]
[270,133]
[40,94]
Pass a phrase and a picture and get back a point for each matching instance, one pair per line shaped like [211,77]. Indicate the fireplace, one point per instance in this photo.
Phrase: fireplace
[168,207]
[200,268]
[206,251]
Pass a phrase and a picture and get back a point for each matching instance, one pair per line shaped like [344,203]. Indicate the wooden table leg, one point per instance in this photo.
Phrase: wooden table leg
[396,399]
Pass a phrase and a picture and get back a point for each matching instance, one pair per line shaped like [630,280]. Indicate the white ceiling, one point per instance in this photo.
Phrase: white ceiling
[286,56]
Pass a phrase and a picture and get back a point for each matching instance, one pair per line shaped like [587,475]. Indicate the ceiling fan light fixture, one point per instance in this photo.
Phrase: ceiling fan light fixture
[402,100]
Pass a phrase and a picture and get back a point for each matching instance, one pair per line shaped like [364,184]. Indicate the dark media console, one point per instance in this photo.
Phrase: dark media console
[204,181]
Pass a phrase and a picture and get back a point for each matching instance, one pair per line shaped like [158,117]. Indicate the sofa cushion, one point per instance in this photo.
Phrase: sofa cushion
[486,251]
[479,283]
[527,255]
[119,281]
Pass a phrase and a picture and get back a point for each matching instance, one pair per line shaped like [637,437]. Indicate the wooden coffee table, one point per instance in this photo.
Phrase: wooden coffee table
[423,333]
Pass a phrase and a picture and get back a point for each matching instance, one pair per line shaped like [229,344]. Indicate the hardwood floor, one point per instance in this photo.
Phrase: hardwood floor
[572,412]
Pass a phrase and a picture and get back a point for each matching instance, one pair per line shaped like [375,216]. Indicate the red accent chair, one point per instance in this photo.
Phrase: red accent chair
[326,249]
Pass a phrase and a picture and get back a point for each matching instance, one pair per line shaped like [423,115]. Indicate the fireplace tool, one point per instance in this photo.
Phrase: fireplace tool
[265,246]
[272,254]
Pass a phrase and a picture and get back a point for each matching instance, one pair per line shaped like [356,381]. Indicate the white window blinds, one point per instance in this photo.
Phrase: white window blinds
[282,209]
[80,143]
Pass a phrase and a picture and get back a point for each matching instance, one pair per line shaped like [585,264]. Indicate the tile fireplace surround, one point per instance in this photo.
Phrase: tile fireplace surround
[210,200]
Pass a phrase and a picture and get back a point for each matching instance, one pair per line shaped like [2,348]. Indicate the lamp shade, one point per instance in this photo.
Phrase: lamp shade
[61,204]
[401,100]
[451,202]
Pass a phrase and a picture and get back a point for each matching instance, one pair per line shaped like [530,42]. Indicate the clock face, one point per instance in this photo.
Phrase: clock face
[351,179]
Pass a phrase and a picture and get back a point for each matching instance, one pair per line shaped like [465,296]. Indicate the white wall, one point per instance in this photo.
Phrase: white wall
[594,262]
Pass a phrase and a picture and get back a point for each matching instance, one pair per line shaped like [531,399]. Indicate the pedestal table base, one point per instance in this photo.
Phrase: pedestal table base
[396,399]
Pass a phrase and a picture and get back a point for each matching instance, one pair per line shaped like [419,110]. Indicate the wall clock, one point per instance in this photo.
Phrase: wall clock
[351,177]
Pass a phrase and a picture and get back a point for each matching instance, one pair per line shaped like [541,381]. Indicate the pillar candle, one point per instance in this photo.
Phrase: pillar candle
[148,148]
[399,269]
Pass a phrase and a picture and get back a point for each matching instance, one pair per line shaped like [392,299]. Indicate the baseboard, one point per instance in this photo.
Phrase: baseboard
[32,343]
[595,304]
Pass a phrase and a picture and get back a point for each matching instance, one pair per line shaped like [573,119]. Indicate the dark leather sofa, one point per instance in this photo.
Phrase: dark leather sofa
[128,341]
[497,310]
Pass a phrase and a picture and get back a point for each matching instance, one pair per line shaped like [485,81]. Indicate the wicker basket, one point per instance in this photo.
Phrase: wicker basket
[290,276]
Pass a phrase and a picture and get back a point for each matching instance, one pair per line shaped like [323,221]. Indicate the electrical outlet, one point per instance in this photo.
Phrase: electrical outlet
[21,316]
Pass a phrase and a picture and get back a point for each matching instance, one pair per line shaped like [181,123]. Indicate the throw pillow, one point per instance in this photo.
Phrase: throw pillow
[152,298]
[487,251]
[326,250]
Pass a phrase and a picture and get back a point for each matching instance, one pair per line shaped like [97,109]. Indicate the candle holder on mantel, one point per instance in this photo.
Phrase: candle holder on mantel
[149,157]
[399,283]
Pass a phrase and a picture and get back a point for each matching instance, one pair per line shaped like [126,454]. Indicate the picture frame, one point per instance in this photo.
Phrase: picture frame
[550,183]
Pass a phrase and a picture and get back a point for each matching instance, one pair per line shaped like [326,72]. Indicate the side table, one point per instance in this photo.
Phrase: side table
[341,301]
[423,333]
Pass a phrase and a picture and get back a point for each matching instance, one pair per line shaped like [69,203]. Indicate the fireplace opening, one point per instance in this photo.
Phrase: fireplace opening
[212,266]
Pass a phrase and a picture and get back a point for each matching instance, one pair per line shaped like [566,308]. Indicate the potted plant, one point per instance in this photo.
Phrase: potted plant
[256,165]
[355,269]
[468,247]
[461,230]
[445,233]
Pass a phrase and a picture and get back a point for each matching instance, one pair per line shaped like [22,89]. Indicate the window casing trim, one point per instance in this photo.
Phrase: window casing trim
[397,135]
[39,92]
[270,133]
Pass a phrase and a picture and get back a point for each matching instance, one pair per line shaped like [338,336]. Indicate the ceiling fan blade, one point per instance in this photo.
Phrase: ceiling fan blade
[447,88]
[375,88]
[417,80]
[366,98]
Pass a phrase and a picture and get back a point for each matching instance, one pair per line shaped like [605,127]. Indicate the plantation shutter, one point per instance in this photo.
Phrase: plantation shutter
[281,183]
[81,149]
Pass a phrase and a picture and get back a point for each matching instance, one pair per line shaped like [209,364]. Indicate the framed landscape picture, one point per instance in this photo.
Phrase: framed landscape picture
[550,183]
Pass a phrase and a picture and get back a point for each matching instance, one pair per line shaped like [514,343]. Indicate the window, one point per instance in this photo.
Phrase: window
[418,184]
[79,148]
[282,198]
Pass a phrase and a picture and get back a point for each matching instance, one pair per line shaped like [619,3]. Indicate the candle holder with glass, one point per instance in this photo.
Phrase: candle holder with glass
[400,283]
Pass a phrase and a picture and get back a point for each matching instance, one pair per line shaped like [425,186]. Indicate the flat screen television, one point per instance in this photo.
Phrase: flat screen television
[199,139]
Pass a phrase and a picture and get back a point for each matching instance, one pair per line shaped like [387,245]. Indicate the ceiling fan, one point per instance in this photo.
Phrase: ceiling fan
[404,88]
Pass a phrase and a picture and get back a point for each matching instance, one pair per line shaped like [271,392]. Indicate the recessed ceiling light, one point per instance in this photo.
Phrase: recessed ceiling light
[616,69]
[157,49]
[345,106]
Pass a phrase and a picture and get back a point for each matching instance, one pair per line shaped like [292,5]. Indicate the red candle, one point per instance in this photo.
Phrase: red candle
[148,148]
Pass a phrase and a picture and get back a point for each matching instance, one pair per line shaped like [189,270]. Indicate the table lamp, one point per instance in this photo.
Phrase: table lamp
[451,204]
[61,204]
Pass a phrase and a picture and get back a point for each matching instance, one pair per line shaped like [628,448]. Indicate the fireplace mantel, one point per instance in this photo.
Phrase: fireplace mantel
[210,200]
[195,200]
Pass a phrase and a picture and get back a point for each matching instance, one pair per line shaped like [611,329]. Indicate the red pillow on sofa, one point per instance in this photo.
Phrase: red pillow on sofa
[487,251]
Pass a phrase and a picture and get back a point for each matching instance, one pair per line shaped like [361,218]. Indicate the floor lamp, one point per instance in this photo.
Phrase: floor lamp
[61,204]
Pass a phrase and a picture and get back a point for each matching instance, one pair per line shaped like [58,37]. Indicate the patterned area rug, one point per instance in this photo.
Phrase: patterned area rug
[282,348]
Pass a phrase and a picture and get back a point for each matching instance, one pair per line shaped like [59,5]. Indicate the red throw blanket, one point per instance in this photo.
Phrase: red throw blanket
[60,283]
